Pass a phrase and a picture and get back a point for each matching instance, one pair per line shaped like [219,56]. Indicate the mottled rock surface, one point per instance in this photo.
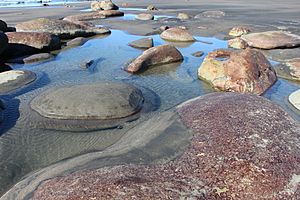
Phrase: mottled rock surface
[14,79]
[94,15]
[238,31]
[237,43]
[144,16]
[144,43]
[243,147]
[159,55]
[42,41]
[62,28]
[294,99]
[272,40]
[245,71]
[177,34]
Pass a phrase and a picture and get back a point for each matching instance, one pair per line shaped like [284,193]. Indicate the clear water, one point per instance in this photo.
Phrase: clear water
[33,3]
[24,147]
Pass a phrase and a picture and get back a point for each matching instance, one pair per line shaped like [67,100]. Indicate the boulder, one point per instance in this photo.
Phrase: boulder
[198,54]
[42,41]
[294,67]
[237,43]
[245,71]
[159,55]
[272,40]
[103,5]
[238,31]
[151,7]
[14,79]
[77,41]
[177,34]
[93,15]
[183,16]
[143,43]
[3,42]
[294,99]
[62,28]
[144,16]
[243,147]
[3,26]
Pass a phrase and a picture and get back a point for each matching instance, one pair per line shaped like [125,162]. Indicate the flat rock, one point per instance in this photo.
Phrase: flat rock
[42,41]
[238,31]
[289,69]
[62,28]
[3,42]
[38,57]
[294,99]
[94,15]
[103,5]
[245,71]
[14,79]
[159,55]
[211,14]
[77,41]
[144,16]
[243,147]
[177,34]
[100,101]
[143,43]
[272,40]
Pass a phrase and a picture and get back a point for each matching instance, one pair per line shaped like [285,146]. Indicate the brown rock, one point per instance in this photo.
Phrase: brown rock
[272,40]
[177,34]
[243,147]
[42,41]
[62,28]
[144,43]
[238,31]
[159,55]
[245,71]
[103,5]
[94,15]
[237,43]
[144,16]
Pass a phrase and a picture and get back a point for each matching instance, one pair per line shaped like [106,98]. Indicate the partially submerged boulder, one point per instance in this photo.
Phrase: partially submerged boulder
[93,15]
[159,55]
[43,41]
[143,43]
[177,34]
[103,5]
[272,40]
[238,31]
[62,28]
[245,71]
[14,79]
[38,57]
[144,16]
[294,99]
[243,147]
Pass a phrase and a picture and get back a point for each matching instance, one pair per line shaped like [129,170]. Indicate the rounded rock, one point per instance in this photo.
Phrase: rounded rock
[177,34]
[294,99]
[14,79]
[145,16]
[238,31]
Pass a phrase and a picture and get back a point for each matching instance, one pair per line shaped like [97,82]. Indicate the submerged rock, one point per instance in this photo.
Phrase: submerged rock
[294,99]
[289,69]
[198,54]
[62,28]
[143,43]
[101,101]
[245,71]
[38,57]
[14,79]
[177,34]
[42,41]
[94,15]
[272,40]
[238,31]
[3,42]
[243,147]
[144,16]
[103,5]
[159,55]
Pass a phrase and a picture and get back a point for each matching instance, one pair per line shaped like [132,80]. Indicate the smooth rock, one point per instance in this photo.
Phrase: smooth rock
[151,7]
[237,43]
[103,5]
[159,55]
[289,69]
[42,41]
[143,43]
[93,15]
[14,79]
[177,34]
[38,57]
[62,28]
[272,40]
[77,41]
[102,101]
[198,54]
[294,99]
[243,147]
[183,16]
[3,26]
[144,16]
[3,42]
[244,71]
[238,31]
[211,14]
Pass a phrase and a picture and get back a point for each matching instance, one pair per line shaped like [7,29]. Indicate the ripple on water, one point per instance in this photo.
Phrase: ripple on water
[28,148]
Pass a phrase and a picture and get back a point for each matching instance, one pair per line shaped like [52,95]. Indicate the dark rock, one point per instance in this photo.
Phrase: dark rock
[4,67]
[144,43]
[3,42]
[3,26]
[159,55]
[87,64]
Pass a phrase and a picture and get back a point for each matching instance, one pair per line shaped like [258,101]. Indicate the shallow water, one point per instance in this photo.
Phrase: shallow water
[25,147]
[33,3]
